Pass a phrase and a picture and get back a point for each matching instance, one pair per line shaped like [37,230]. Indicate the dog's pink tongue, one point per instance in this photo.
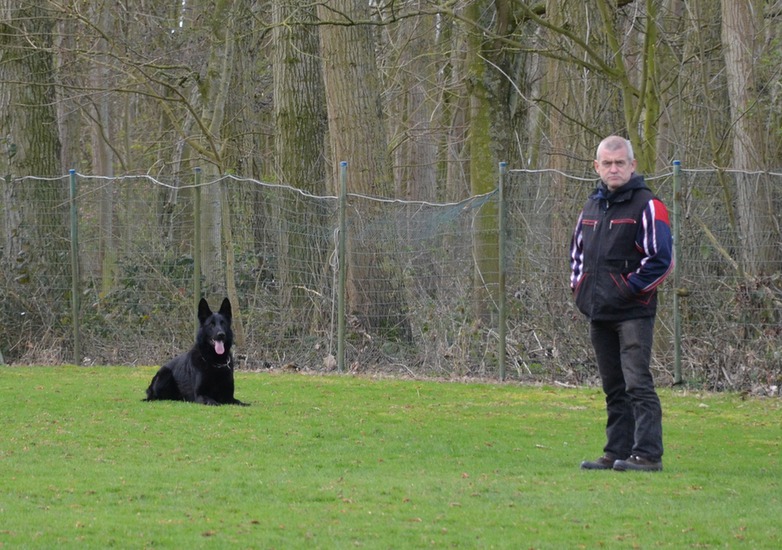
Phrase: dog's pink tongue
[219,347]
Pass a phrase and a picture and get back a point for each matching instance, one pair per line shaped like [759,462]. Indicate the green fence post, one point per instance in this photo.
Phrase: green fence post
[341,265]
[75,292]
[197,245]
[677,318]
[501,245]
[8,180]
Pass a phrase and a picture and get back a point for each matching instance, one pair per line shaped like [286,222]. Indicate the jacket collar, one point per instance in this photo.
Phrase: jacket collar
[623,193]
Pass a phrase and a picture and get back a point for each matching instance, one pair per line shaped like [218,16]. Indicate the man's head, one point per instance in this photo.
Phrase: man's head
[615,162]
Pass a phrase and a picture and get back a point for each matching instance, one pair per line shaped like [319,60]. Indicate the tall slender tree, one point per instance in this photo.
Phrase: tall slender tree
[357,134]
[102,153]
[34,255]
[300,122]
[743,41]
[488,138]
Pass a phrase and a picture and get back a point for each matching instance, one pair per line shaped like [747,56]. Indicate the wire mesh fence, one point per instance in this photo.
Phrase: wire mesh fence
[421,288]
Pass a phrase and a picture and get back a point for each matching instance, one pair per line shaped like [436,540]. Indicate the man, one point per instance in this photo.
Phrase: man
[620,252]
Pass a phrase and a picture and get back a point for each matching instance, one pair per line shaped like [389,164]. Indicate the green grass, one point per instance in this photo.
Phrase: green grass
[339,462]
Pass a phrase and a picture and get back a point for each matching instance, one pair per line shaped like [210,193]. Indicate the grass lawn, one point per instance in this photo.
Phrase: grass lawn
[342,462]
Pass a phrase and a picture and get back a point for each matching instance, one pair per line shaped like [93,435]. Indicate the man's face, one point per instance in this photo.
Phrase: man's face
[614,168]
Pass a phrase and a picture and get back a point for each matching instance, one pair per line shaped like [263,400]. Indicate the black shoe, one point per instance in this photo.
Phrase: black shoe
[605,462]
[637,463]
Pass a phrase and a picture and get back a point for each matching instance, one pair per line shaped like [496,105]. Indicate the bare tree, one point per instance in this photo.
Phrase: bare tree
[102,153]
[487,65]
[300,161]
[742,39]
[33,252]
[357,134]
[411,59]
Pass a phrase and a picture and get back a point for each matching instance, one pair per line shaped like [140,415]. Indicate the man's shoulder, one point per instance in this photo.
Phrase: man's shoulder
[636,183]
[638,190]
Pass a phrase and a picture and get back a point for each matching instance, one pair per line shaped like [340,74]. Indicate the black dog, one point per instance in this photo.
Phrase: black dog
[205,374]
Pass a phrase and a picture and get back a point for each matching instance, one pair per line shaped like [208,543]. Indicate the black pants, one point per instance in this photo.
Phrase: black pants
[624,351]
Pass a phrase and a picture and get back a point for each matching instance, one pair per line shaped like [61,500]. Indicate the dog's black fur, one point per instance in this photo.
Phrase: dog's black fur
[205,374]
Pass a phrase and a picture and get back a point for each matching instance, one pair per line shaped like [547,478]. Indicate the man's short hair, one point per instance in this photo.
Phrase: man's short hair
[614,143]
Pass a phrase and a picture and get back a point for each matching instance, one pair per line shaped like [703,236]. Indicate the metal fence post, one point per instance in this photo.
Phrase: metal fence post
[197,245]
[341,266]
[75,292]
[677,318]
[501,267]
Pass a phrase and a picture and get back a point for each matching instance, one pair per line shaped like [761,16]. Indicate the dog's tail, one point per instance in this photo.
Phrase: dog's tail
[151,393]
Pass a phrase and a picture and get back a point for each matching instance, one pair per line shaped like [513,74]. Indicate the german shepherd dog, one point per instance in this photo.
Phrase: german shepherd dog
[205,374]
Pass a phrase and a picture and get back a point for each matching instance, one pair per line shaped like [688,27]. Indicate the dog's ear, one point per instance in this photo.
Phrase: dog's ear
[225,308]
[203,310]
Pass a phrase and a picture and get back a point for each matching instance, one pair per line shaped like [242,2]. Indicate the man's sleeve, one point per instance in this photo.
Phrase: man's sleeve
[655,242]
[576,254]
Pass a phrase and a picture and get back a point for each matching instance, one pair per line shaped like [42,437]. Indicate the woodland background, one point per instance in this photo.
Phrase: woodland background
[423,98]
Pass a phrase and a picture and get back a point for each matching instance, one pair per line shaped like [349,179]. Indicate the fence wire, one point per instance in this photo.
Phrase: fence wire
[416,271]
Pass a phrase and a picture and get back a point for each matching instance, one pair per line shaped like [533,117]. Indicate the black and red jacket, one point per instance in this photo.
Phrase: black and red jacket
[620,252]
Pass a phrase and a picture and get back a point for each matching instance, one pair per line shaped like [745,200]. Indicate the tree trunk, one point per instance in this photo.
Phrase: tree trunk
[488,136]
[411,55]
[410,104]
[34,255]
[68,116]
[213,89]
[103,155]
[357,134]
[455,112]
[742,43]
[300,120]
